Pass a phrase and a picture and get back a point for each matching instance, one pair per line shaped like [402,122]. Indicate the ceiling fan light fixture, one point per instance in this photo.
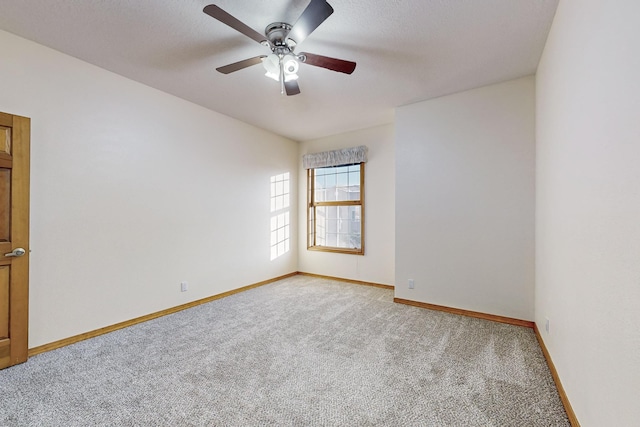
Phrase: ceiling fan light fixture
[291,65]
[272,65]
[272,76]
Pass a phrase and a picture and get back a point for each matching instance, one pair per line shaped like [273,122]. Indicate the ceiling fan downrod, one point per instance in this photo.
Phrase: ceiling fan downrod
[281,76]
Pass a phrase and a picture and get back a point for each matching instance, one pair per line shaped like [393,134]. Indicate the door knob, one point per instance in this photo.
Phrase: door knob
[16,252]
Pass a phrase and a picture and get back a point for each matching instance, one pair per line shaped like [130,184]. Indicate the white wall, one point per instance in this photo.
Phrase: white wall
[588,207]
[465,200]
[133,191]
[377,264]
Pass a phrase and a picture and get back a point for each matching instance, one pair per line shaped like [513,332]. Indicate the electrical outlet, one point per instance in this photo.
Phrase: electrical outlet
[184,287]
[411,284]
[546,324]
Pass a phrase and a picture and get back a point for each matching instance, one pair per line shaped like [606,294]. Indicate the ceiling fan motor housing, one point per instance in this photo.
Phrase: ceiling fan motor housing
[277,34]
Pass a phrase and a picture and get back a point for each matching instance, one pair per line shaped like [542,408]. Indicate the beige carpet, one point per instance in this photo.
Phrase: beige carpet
[299,352]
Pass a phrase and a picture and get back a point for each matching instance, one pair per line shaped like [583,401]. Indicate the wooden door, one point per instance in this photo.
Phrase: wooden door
[14,238]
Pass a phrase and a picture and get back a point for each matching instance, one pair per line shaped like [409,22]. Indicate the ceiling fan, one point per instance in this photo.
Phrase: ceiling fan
[282,38]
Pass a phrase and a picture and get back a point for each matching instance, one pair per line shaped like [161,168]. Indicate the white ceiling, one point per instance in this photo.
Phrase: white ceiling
[406,51]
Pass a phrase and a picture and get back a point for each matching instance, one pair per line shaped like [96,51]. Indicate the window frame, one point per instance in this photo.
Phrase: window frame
[312,205]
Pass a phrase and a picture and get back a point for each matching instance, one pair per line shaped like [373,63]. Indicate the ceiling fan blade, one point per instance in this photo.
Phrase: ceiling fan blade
[291,87]
[334,64]
[222,16]
[314,15]
[240,65]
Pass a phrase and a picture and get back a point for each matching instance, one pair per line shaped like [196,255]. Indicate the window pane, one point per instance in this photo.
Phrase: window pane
[331,212]
[332,226]
[330,181]
[339,226]
[331,240]
[354,178]
[343,179]
[337,183]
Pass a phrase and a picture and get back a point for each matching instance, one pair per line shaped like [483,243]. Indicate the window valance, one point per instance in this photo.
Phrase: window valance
[346,156]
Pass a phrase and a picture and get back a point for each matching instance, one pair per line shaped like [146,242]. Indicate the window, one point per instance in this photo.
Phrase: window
[280,200]
[336,208]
